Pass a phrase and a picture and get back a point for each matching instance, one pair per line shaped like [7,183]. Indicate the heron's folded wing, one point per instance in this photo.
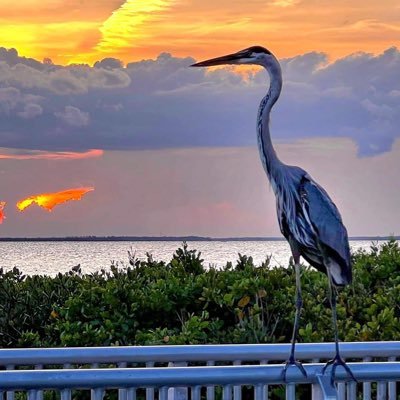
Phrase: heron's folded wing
[325,218]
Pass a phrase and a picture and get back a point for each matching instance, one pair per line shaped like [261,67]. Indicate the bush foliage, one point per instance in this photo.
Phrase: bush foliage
[187,302]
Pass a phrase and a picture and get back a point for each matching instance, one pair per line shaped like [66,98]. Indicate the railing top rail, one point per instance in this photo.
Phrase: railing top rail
[247,352]
[188,376]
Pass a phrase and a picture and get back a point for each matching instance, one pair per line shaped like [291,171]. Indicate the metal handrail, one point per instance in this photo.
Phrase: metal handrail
[199,353]
[111,378]
[175,383]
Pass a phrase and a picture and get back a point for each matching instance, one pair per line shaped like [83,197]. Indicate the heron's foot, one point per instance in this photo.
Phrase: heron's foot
[296,363]
[335,362]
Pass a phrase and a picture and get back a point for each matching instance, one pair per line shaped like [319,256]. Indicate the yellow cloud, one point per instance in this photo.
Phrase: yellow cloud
[48,39]
[124,28]
[285,3]
[84,31]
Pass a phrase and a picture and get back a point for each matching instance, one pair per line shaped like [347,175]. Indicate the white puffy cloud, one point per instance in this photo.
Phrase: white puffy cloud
[31,110]
[164,103]
[73,116]
[76,79]
[25,105]
[9,98]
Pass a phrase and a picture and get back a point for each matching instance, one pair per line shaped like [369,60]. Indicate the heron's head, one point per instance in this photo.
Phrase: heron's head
[253,55]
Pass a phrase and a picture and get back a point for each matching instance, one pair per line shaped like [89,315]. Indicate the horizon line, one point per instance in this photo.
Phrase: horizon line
[168,238]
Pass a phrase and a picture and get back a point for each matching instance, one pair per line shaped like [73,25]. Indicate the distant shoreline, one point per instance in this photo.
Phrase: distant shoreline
[168,239]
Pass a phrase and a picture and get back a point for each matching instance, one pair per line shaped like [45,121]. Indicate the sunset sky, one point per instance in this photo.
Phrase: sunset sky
[99,94]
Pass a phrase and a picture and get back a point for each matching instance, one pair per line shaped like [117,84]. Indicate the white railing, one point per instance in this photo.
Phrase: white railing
[140,371]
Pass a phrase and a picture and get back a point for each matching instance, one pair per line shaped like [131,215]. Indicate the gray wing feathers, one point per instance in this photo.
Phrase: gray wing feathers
[325,218]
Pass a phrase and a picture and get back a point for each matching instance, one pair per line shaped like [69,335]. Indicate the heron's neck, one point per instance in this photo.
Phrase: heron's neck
[269,159]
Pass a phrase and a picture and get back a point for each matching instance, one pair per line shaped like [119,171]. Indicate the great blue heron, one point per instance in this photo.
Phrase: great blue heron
[307,216]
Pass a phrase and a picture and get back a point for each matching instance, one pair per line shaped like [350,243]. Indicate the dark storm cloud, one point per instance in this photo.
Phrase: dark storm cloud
[353,97]
[108,63]
[12,58]
[164,103]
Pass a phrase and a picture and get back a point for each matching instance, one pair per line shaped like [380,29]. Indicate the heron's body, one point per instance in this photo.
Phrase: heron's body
[307,216]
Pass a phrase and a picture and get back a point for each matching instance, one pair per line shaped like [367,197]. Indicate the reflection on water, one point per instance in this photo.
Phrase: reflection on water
[52,257]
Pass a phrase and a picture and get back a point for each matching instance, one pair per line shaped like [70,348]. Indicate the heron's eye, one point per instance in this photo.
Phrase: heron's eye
[255,55]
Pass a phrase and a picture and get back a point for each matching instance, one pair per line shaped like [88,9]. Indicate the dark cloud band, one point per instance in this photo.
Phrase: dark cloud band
[162,103]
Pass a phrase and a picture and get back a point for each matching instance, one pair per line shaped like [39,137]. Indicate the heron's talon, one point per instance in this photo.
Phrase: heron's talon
[335,362]
[296,363]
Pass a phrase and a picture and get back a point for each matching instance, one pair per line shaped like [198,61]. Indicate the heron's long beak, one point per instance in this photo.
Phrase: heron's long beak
[228,59]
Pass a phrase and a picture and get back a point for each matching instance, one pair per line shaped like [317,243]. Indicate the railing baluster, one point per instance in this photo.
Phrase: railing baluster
[351,391]
[122,392]
[150,394]
[259,392]
[163,393]
[149,391]
[10,394]
[316,391]
[65,394]
[210,389]
[381,391]
[392,391]
[264,393]
[196,393]
[97,394]
[178,393]
[341,389]
[39,394]
[237,390]
[290,391]
[367,385]
[227,392]
[392,385]
[131,394]
[32,394]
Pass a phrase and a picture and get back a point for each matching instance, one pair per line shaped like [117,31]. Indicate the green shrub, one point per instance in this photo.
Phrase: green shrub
[185,302]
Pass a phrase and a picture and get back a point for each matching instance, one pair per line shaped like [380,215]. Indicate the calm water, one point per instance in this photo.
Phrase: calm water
[52,257]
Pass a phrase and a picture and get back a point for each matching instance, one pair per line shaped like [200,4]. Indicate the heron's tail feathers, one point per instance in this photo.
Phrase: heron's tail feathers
[340,273]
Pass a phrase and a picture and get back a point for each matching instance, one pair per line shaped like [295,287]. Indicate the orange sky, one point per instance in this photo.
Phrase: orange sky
[89,30]
[84,31]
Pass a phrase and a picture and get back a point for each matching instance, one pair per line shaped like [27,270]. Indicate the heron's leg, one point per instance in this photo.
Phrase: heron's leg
[299,304]
[337,360]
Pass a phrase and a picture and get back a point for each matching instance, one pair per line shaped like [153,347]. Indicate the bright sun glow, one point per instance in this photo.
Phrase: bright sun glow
[49,200]
[124,27]
[2,205]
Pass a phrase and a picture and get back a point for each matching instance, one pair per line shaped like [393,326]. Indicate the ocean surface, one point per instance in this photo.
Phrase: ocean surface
[49,258]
